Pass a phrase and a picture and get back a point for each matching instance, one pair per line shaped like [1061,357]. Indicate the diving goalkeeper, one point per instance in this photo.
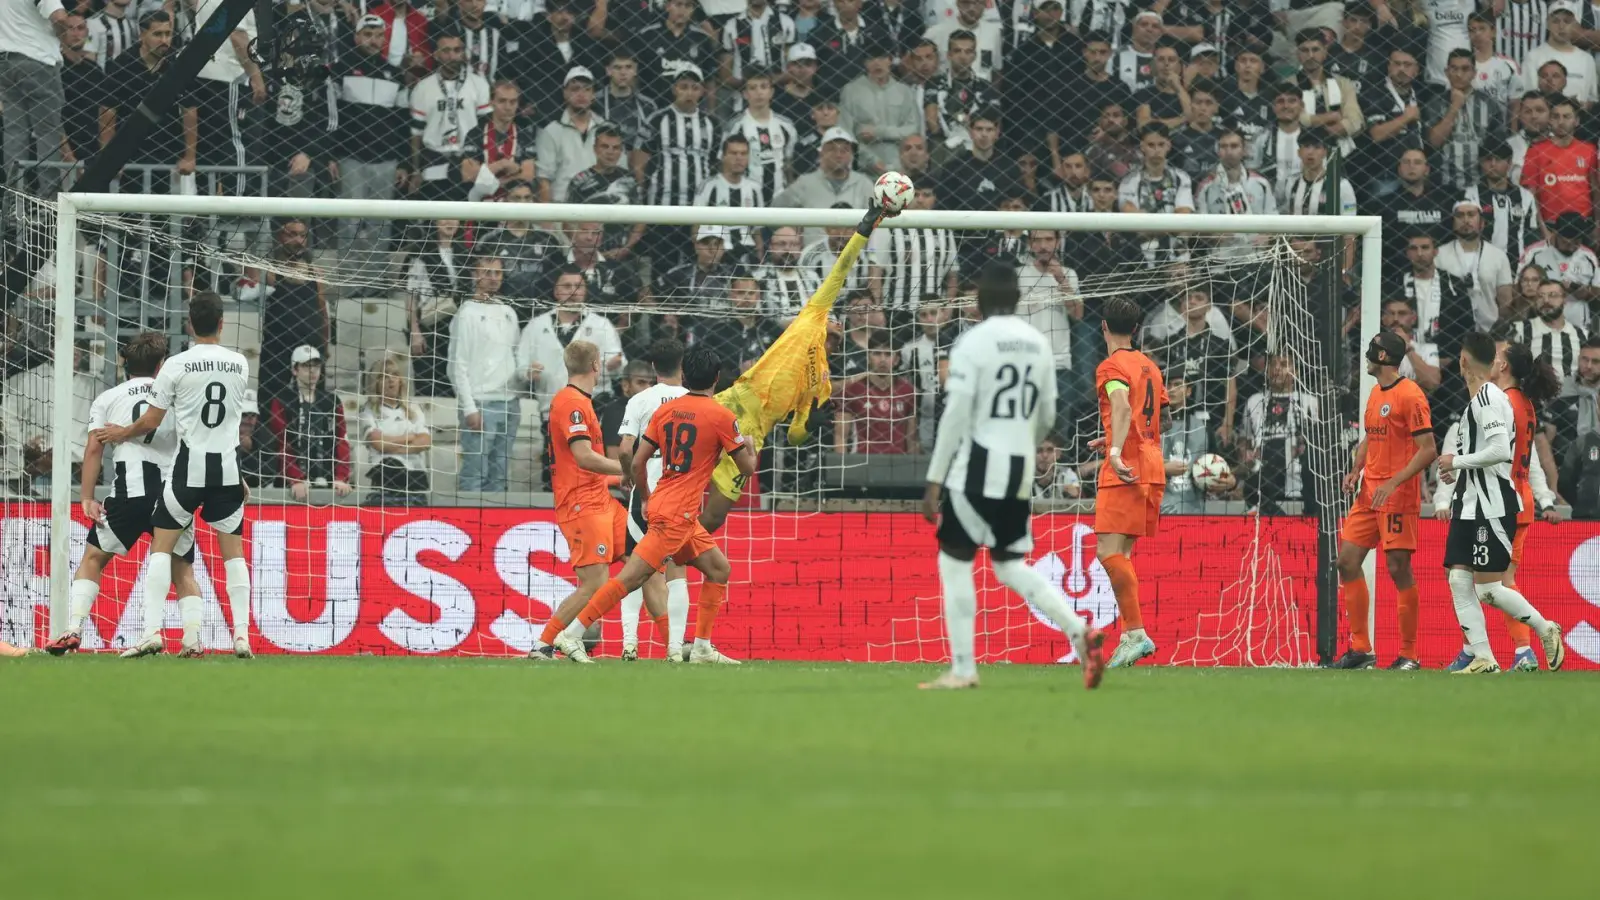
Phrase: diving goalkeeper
[789,380]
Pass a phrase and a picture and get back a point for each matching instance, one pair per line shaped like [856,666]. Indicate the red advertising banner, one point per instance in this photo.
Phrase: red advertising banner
[826,586]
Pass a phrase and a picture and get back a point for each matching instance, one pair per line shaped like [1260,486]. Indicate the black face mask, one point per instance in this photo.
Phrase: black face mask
[1549,314]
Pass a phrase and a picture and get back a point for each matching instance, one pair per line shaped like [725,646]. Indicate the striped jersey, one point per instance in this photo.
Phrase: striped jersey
[772,145]
[1484,488]
[202,388]
[1510,217]
[1480,116]
[683,147]
[754,44]
[1520,27]
[719,192]
[141,465]
[817,260]
[915,262]
[1558,347]
[109,37]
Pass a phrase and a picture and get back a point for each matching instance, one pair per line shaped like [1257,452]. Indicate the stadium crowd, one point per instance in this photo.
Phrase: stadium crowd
[1467,126]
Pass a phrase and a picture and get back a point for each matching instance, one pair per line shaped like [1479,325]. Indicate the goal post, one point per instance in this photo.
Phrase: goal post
[73,212]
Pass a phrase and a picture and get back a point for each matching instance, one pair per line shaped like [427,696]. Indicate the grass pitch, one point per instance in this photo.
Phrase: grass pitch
[290,778]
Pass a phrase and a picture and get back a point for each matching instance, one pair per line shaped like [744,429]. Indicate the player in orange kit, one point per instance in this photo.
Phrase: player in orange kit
[1133,401]
[1397,445]
[691,433]
[594,524]
[1527,382]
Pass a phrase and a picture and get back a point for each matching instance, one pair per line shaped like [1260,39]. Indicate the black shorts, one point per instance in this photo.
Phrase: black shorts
[221,507]
[1004,526]
[637,524]
[1482,545]
[129,518]
[219,135]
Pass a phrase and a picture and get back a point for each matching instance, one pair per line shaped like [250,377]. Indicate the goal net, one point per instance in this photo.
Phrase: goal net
[400,473]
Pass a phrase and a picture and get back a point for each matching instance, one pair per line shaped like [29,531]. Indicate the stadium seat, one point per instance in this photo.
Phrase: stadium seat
[372,323]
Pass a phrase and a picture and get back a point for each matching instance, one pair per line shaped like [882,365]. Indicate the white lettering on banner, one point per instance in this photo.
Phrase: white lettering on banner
[457,610]
[22,541]
[342,597]
[513,562]
[1087,587]
[214,634]
[1583,570]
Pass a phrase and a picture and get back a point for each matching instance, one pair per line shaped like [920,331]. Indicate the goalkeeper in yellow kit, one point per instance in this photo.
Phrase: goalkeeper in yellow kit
[789,380]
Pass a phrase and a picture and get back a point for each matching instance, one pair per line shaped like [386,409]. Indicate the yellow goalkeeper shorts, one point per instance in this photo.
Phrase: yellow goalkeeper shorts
[726,478]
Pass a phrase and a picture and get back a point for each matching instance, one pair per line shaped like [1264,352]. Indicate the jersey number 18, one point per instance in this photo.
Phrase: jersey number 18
[679,451]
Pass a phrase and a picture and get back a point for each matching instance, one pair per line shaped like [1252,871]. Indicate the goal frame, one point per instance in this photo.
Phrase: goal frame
[1368,229]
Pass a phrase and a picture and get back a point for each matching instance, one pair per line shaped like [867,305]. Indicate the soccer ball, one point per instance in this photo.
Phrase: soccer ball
[893,191]
[1208,471]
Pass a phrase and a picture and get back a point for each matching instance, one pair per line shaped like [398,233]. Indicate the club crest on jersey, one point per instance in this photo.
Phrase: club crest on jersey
[1483,535]
[600,549]
[1383,410]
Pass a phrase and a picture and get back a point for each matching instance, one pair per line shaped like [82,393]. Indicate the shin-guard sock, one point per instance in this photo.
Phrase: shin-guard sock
[1357,604]
[677,610]
[711,596]
[1469,612]
[960,614]
[238,585]
[82,594]
[1125,584]
[1408,605]
[157,583]
[1510,601]
[662,627]
[603,601]
[631,605]
[191,611]
[1034,588]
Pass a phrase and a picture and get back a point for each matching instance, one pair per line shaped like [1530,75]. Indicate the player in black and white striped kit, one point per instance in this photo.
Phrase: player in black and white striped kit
[670,590]
[202,387]
[140,470]
[1483,514]
[1000,404]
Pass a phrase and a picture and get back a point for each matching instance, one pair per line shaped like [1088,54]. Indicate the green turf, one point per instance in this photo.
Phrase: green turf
[289,778]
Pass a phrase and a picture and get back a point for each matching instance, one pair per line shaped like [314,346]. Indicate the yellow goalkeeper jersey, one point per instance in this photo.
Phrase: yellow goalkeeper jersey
[791,377]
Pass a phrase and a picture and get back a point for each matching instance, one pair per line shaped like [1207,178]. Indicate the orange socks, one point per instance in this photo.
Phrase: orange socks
[711,595]
[552,629]
[1356,599]
[1125,584]
[609,595]
[1409,605]
[661,627]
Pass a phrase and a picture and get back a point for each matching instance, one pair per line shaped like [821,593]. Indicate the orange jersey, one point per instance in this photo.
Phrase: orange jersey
[691,433]
[1396,415]
[1147,394]
[578,492]
[1526,422]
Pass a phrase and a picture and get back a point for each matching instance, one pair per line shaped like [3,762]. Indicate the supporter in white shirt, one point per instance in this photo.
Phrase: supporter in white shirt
[1049,291]
[970,17]
[1483,264]
[396,435]
[30,78]
[483,372]
[541,349]
[1447,30]
[1581,78]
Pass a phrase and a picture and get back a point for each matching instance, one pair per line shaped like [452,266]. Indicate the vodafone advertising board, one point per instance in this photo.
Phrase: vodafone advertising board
[833,586]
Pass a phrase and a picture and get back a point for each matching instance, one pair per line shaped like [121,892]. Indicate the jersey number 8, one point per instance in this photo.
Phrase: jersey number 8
[213,412]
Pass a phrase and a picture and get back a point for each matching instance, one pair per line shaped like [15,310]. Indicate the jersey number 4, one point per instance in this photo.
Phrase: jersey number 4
[1017,396]
[679,451]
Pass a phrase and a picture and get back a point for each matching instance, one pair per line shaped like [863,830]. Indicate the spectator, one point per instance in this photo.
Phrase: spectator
[1560,170]
[396,435]
[1038,67]
[739,339]
[1525,295]
[1114,151]
[835,182]
[1108,18]
[492,46]
[877,413]
[1548,334]
[882,110]
[297,313]
[110,32]
[818,258]
[700,285]
[680,143]
[1165,100]
[674,44]
[1447,33]
[1098,253]
[823,118]
[621,102]
[985,31]
[1051,479]
[785,286]
[841,43]
[1418,204]
[219,139]
[1522,28]
[1497,75]
[129,79]
[1443,301]
[919,361]
[436,282]
[1576,414]
[754,41]
[909,263]
[1194,143]
[260,452]
[1422,358]
[1008,246]
[609,182]
[83,83]
[1533,126]
[956,96]
[1566,259]
[1331,103]
[638,375]
[808,14]
[526,253]
[445,108]
[1508,208]
[1273,439]
[771,137]
[799,91]
[541,348]
[1198,364]
[1394,125]
[483,373]
[372,127]
[729,188]
[565,146]
[1308,197]
[902,22]
[551,47]
[1134,63]
[1231,189]
[609,284]
[862,318]
[1245,101]
[1352,56]
[500,149]
[914,161]
[27,422]
[1070,192]
[1485,266]
[309,420]
[405,38]
[1276,153]
[1461,119]
[1157,188]
[976,179]
[1558,47]
[1050,302]
[1097,89]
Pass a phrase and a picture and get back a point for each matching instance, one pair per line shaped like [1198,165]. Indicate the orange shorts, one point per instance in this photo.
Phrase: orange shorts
[679,538]
[1131,509]
[1517,542]
[596,539]
[1368,528]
